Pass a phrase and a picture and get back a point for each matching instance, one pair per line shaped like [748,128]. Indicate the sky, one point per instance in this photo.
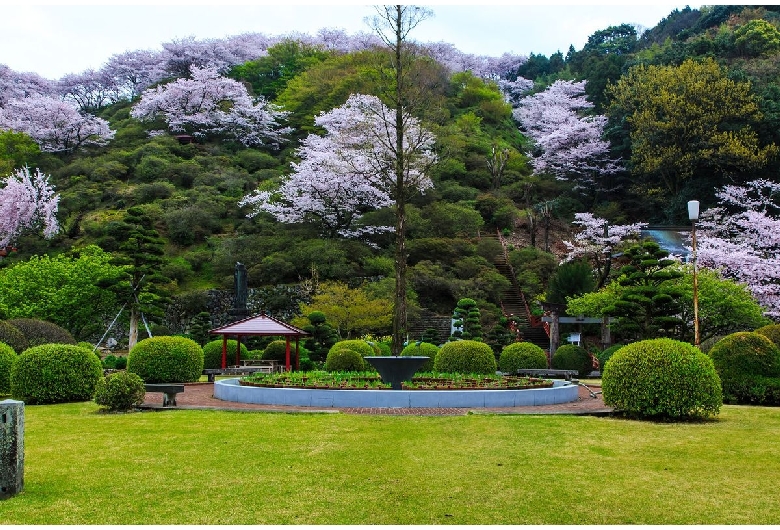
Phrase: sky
[54,39]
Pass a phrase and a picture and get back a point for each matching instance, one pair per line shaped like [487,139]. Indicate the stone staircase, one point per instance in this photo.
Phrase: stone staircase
[428,319]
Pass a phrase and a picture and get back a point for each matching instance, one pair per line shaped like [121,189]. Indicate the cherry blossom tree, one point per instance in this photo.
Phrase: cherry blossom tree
[597,242]
[133,71]
[17,85]
[348,171]
[55,125]
[211,104]
[569,142]
[91,90]
[27,202]
[741,238]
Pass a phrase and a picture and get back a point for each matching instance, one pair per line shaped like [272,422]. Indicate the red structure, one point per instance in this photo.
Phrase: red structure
[260,326]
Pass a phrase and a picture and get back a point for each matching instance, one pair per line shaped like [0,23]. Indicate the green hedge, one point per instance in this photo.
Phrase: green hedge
[772,332]
[344,360]
[166,360]
[120,391]
[10,334]
[7,358]
[425,349]
[55,373]
[747,363]
[662,378]
[212,353]
[521,355]
[465,357]
[38,332]
[573,357]
[605,355]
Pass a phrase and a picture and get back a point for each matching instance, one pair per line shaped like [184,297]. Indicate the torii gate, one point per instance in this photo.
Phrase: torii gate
[555,330]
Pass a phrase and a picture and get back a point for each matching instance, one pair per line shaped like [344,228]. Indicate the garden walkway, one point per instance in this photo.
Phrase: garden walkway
[201,396]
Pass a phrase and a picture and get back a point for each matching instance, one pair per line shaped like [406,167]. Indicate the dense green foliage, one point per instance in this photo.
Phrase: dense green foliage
[212,353]
[37,332]
[749,368]
[662,378]
[572,357]
[7,358]
[10,335]
[120,391]
[522,355]
[343,359]
[166,360]
[465,357]
[606,354]
[55,373]
[772,332]
[422,348]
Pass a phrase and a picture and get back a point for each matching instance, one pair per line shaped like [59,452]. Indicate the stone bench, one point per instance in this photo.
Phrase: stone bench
[548,372]
[211,373]
[169,392]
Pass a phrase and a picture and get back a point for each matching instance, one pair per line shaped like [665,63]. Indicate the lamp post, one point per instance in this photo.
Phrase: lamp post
[693,215]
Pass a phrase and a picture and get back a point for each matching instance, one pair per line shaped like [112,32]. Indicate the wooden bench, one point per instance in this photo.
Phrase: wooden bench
[169,392]
[547,372]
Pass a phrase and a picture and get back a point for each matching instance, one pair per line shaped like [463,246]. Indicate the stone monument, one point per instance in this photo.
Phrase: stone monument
[11,448]
[239,310]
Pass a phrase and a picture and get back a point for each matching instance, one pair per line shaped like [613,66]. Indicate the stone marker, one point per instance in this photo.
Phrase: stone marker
[11,448]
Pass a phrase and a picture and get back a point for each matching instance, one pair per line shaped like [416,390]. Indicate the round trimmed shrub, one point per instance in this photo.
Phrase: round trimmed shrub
[605,355]
[212,353]
[662,378]
[384,349]
[120,392]
[465,357]
[363,348]
[344,360]
[166,360]
[425,349]
[521,355]
[573,357]
[39,332]
[742,361]
[55,373]
[772,332]
[7,358]
[10,334]
[276,351]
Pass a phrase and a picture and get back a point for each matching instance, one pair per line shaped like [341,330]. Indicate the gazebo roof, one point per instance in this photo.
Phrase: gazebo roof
[259,325]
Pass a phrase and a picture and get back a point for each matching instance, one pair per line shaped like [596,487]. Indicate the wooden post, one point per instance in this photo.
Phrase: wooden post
[224,351]
[606,337]
[287,354]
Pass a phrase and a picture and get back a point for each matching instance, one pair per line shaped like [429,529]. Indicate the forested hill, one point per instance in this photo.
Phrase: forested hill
[211,140]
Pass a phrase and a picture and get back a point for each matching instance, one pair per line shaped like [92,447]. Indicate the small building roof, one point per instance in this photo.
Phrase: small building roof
[262,325]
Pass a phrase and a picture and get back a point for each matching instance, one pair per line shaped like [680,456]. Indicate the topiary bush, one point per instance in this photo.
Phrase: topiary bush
[39,332]
[212,353]
[422,348]
[522,355]
[573,357]
[121,363]
[10,335]
[7,358]
[605,355]
[662,378]
[166,360]
[344,359]
[55,373]
[120,392]
[465,357]
[747,363]
[772,332]
[277,351]
[360,346]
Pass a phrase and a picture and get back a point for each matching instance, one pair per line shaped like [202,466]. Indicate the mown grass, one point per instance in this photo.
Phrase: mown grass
[214,467]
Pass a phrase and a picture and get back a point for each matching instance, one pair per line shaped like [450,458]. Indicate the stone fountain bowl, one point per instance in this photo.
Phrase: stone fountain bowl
[394,370]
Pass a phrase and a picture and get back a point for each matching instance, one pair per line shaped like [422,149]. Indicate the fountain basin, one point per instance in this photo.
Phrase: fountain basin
[394,370]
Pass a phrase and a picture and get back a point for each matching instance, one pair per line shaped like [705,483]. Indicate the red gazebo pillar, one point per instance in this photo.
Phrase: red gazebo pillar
[224,351]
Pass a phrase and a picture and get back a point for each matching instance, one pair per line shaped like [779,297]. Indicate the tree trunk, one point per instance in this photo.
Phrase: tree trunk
[133,339]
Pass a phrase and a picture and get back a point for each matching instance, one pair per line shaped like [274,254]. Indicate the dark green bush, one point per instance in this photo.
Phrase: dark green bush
[120,391]
[121,363]
[55,373]
[424,349]
[465,357]
[277,351]
[572,357]
[10,335]
[344,360]
[39,332]
[212,353]
[7,358]
[605,355]
[662,378]
[772,332]
[743,361]
[166,360]
[109,362]
[522,355]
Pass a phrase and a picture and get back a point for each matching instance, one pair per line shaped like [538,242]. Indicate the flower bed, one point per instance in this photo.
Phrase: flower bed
[371,381]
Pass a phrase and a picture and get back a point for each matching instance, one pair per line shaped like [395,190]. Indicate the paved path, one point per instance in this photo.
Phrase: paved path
[201,396]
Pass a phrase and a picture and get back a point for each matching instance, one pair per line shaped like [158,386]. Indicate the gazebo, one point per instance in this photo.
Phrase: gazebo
[264,326]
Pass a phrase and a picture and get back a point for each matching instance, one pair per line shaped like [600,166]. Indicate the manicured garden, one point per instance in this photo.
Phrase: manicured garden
[208,467]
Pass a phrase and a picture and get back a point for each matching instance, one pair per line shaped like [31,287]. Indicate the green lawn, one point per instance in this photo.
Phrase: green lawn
[212,467]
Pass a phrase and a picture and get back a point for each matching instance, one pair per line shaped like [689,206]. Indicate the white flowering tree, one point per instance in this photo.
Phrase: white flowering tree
[211,104]
[741,237]
[348,171]
[56,125]
[27,202]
